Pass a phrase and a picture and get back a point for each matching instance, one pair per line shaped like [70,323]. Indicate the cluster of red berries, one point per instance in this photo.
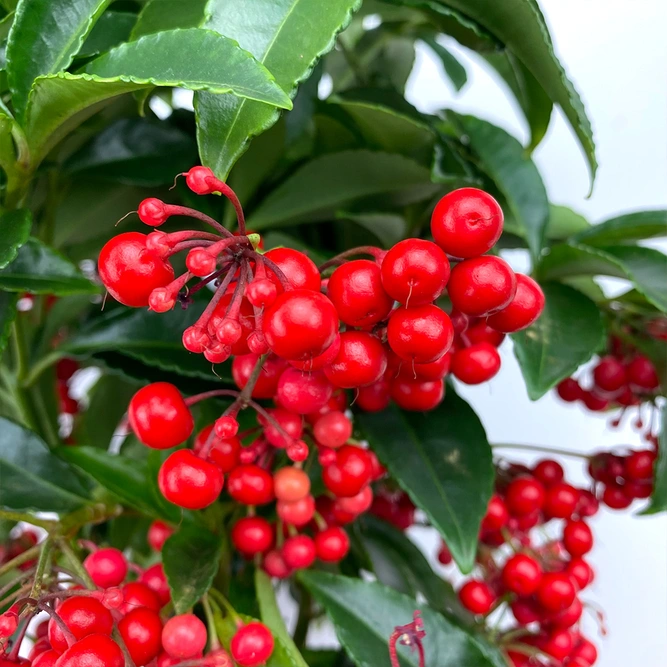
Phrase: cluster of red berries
[539,579]
[17,545]
[81,622]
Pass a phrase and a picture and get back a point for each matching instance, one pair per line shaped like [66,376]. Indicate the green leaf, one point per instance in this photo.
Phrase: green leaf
[644,267]
[59,102]
[14,232]
[564,222]
[366,613]
[39,269]
[626,228]
[129,479]
[443,462]
[273,620]
[398,563]
[516,176]
[329,182]
[294,34]
[45,37]
[135,151]
[659,496]
[7,316]
[569,332]
[32,477]
[389,228]
[111,29]
[190,558]
[454,70]
[160,15]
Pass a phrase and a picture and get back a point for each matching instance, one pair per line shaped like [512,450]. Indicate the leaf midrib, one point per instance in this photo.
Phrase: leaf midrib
[44,482]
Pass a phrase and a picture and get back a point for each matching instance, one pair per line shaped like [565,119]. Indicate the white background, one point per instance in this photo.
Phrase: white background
[615,53]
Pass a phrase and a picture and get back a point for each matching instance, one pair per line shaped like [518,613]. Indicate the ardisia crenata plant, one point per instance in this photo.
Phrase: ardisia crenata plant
[231,334]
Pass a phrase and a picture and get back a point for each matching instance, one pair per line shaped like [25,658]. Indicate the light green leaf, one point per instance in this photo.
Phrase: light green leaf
[14,232]
[626,228]
[160,15]
[294,34]
[567,334]
[44,38]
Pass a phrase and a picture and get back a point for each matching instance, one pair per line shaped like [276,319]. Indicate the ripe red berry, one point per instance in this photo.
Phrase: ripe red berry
[639,465]
[615,497]
[9,621]
[267,383]
[577,538]
[524,309]
[130,271]
[250,485]
[289,427]
[137,594]
[261,293]
[274,565]
[609,374]
[481,285]
[291,484]
[560,501]
[481,332]
[300,271]
[568,617]
[252,645]
[298,513]
[154,578]
[522,575]
[526,611]
[350,473]
[467,222]
[300,324]
[141,629]
[435,370]
[201,180]
[580,572]
[594,402]
[252,535]
[188,481]
[47,658]
[476,364]
[217,326]
[421,334]
[299,552]
[159,416]
[332,429]
[496,516]
[361,360]
[106,567]
[152,212]
[374,397]
[415,272]
[444,555]
[83,616]
[158,533]
[319,362]
[556,591]
[332,544]
[584,653]
[569,390]
[92,651]
[641,373]
[524,496]
[301,392]
[549,472]
[184,636]
[557,643]
[416,395]
[477,597]
[355,289]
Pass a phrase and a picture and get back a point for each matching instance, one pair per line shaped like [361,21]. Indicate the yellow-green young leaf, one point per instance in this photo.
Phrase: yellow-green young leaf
[45,37]
[294,34]
[626,228]
[569,332]
[14,231]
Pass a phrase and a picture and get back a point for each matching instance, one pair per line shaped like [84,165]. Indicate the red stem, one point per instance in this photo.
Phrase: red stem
[192,213]
[375,252]
[231,195]
[273,266]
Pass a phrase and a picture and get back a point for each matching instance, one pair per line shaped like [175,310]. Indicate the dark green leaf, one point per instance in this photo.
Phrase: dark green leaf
[516,176]
[44,38]
[14,232]
[625,229]
[443,462]
[7,314]
[327,183]
[39,269]
[159,15]
[136,151]
[294,34]
[389,228]
[645,267]
[659,495]
[32,477]
[273,619]
[111,29]
[190,558]
[366,613]
[569,332]
[454,70]
[129,479]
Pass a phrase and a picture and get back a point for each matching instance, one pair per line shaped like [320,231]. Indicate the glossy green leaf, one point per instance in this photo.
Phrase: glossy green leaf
[39,269]
[294,35]
[366,613]
[160,15]
[389,227]
[111,29]
[128,479]
[454,70]
[569,332]
[272,618]
[443,462]
[135,151]
[626,228]
[327,183]
[32,477]
[7,149]
[516,176]
[45,37]
[14,232]
[564,223]
[644,267]
[7,314]
[190,558]
[659,496]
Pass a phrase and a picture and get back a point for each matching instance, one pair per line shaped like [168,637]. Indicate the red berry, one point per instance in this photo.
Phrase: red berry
[217,327]
[524,309]
[152,212]
[522,575]
[252,535]
[496,516]
[569,390]
[218,658]
[291,427]
[301,392]
[299,552]
[137,594]
[201,180]
[224,452]
[252,645]
[467,222]
[46,658]
[274,565]
[184,636]
[261,293]
[300,271]
[250,485]
[83,616]
[300,324]
[568,617]
[374,397]
[188,481]
[587,505]
[560,501]
[9,621]
[291,484]
[267,383]
[298,513]
[435,370]
[639,465]
[332,544]
[609,374]
[332,429]
[361,360]
[584,654]
[444,555]
[641,373]
[141,630]
[476,364]
[577,538]
[319,362]
[421,334]
[549,472]
[350,473]
[477,597]
[415,272]
[158,533]
[481,285]
[481,332]
[524,496]
[417,396]
[556,591]
[526,611]
[106,567]
[615,497]
[557,644]
[93,651]
[356,291]
[594,402]
[154,578]
[130,271]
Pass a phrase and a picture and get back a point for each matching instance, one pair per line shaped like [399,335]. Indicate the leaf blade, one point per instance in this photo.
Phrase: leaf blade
[14,232]
[625,229]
